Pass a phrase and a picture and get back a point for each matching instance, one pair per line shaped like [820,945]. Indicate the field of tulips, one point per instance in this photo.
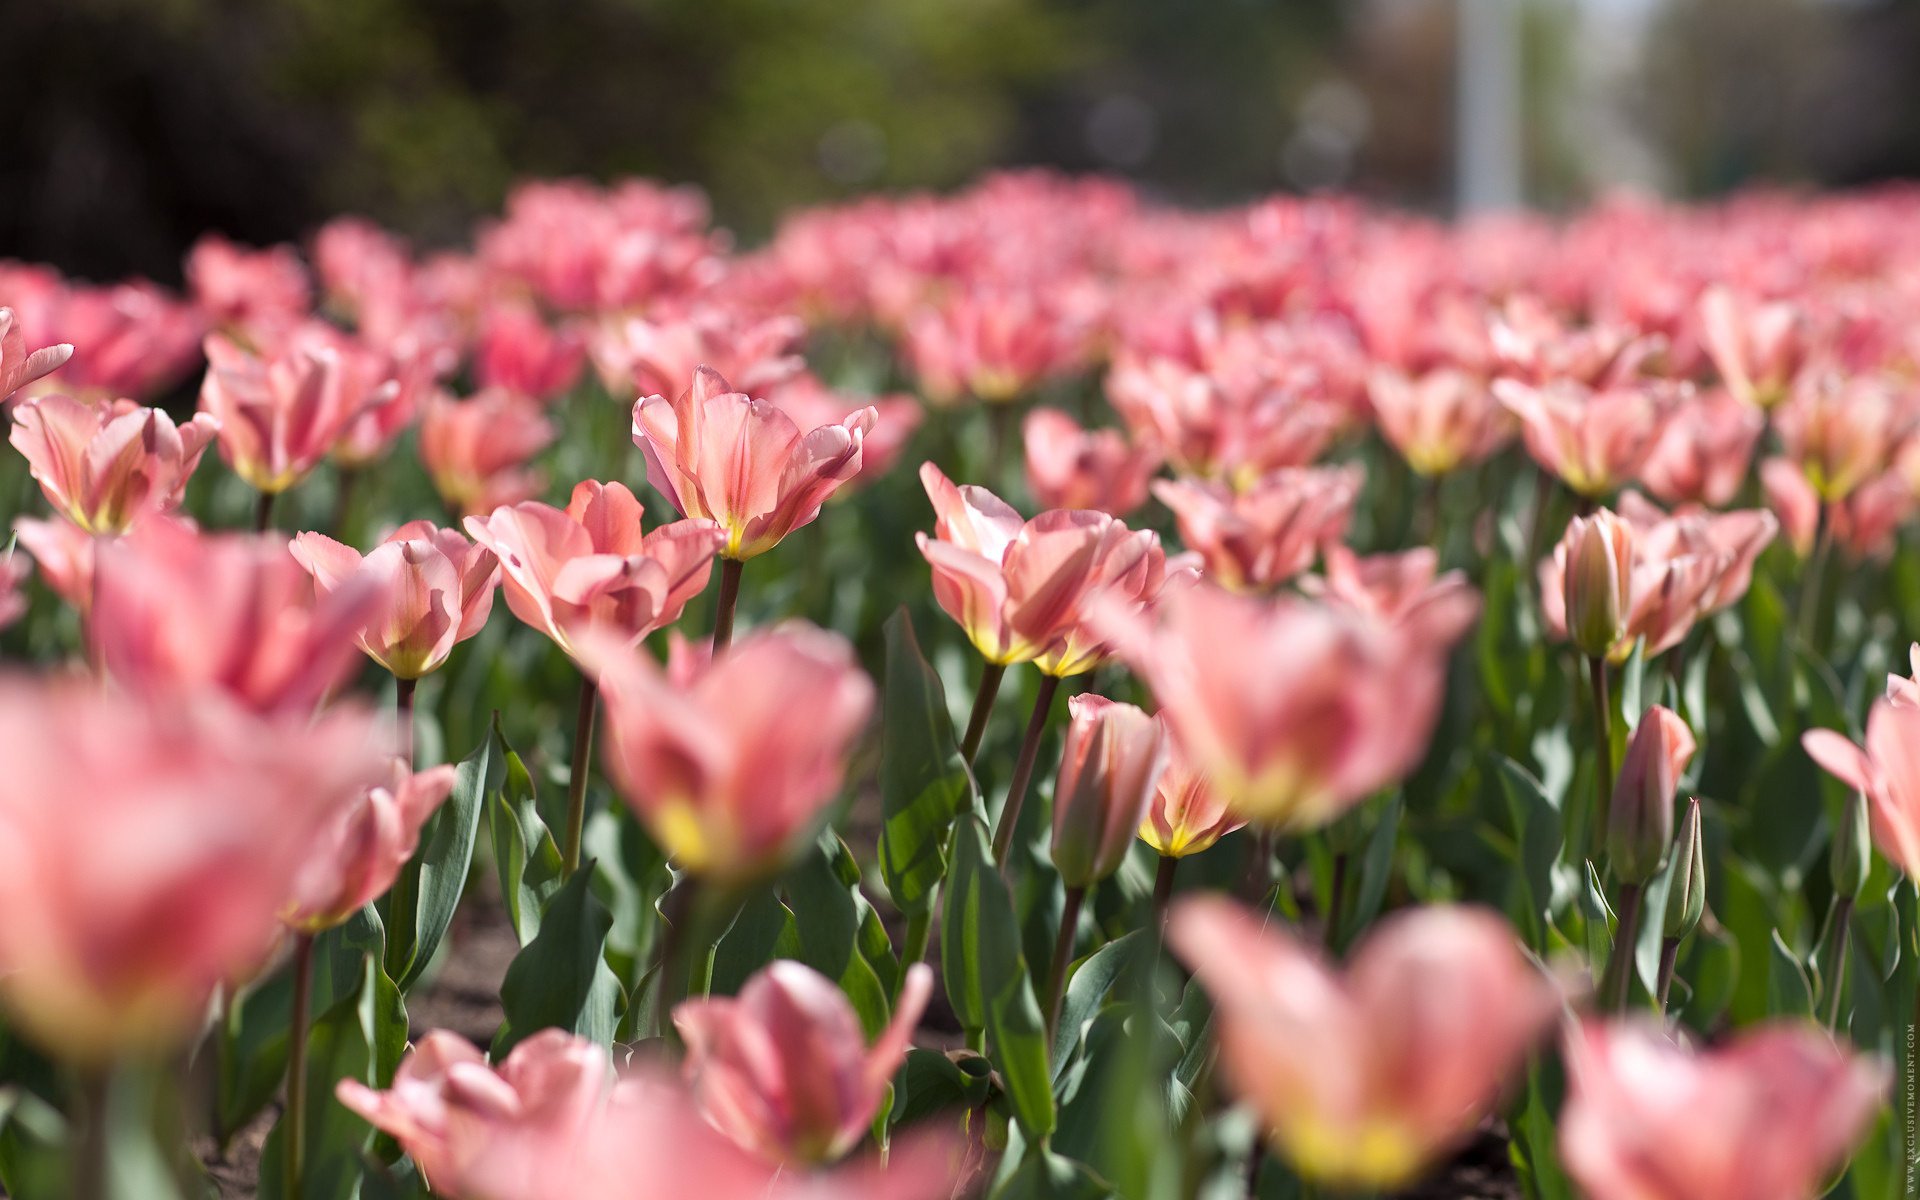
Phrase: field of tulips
[1025,693]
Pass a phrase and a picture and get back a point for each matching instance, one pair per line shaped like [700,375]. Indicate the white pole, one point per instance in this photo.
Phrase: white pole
[1487,107]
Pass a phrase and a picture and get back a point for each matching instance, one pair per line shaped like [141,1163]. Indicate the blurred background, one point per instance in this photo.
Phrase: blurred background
[132,126]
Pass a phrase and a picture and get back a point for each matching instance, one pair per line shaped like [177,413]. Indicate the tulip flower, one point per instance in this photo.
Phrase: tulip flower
[1842,433]
[1771,1115]
[731,762]
[1687,894]
[1440,421]
[477,450]
[720,455]
[812,404]
[1866,525]
[1592,440]
[1294,710]
[1703,453]
[1604,591]
[1903,691]
[759,354]
[517,352]
[1109,769]
[1395,588]
[175,612]
[280,415]
[104,467]
[64,553]
[1734,539]
[592,566]
[1260,538]
[783,1070]
[18,367]
[438,588]
[131,339]
[356,859]
[146,852]
[1186,814]
[1758,348]
[1531,342]
[995,344]
[1070,467]
[1886,772]
[1366,1078]
[1640,819]
[14,570]
[248,289]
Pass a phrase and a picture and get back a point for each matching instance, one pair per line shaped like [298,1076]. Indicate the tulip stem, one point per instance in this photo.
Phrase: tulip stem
[263,512]
[1811,582]
[1602,747]
[577,780]
[1163,890]
[347,482]
[1837,971]
[982,709]
[1619,976]
[89,1181]
[295,1146]
[1023,769]
[1063,956]
[403,716]
[1669,954]
[913,948]
[729,599]
[1336,892]
[681,910]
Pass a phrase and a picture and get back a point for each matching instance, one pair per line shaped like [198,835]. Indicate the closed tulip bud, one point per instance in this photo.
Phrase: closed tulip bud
[1640,819]
[1114,756]
[1848,859]
[1687,893]
[1597,553]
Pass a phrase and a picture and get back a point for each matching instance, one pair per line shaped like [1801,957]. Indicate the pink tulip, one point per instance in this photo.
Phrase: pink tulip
[1259,538]
[104,467]
[1703,454]
[719,455]
[146,851]
[1227,418]
[1736,539]
[18,367]
[1605,588]
[711,756]
[1843,432]
[1366,1078]
[1758,348]
[438,588]
[1440,421]
[1886,772]
[409,368]
[14,570]
[131,339]
[1866,525]
[1020,590]
[783,1070]
[1593,441]
[64,553]
[592,566]
[1771,1115]
[240,287]
[282,414]
[524,1130]
[1294,710]
[1532,343]
[1109,769]
[356,859]
[1070,467]
[1903,691]
[1640,818]
[1187,814]
[1397,588]
[477,450]
[176,612]
[760,354]
[996,344]
[811,405]
[518,352]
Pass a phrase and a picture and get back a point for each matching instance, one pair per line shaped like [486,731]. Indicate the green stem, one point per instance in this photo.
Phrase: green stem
[983,699]
[89,1181]
[1812,582]
[294,1157]
[1619,977]
[1062,956]
[577,781]
[1837,972]
[1335,895]
[403,716]
[677,945]
[263,512]
[1669,954]
[914,948]
[1163,890]
[347,482]
[1023,769]
[729,600]
[1602,746]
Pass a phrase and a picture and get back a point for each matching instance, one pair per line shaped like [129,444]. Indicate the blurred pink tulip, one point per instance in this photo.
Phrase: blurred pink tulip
[720,455]
[1865,525]
[176,612]
[438,588]
[1364,1079]
[1735,539]
[658,355]
[477,450]
[1186,815]
[516,351]
[1593,441]
[243,288]
[1758,348]
[1071,467]
[281,414]
[1703,454]
[995,344]
[130,339]
[146,851]
[358,856]
[1887,772]
[592,566]
[1109,769]
[1397,588]
[1294,710]
[18,366]
[1843,433]
[104,467]
[1225,419]
[1771,1115]
[1440,421]
[64,553]
[1532,343]
[710,756]
[14,569]
[783,1069]
[1903,691]
[1260,538]
[811,405]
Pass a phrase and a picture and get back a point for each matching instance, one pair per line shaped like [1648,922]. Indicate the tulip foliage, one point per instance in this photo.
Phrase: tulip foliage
[1486,763]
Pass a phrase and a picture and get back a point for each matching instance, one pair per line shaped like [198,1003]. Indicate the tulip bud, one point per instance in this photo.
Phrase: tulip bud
[1640,819]
[1114,756]
[1599,558]
[1687,892]
[1848,857]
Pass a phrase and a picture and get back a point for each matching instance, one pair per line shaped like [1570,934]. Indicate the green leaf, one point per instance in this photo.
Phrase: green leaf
[33,1146]
[931,1082]
[827,915]
[1536,1136]
[561,979]
[1789,991]
[924,783]
[1087,988]
[524,852]
[1538,823]
[421,905]
[1599,924]
[346,1042]
[762,924]
[1044,1175]
[1376,870]
[987,979]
